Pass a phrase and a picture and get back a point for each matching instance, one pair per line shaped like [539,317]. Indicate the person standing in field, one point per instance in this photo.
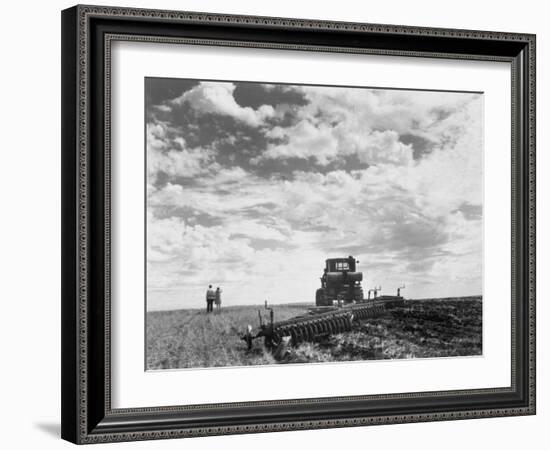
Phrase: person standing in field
[210,298]
[218,298]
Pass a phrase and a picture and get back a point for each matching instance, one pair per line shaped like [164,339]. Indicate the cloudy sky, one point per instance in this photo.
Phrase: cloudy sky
[252,186]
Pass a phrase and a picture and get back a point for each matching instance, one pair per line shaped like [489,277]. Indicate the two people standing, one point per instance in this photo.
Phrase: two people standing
[213,296]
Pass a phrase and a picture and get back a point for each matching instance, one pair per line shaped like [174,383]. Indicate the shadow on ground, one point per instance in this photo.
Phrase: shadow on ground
[52,429]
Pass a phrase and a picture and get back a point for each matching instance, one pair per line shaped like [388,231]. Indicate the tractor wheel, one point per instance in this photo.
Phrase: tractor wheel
[320,299]
[358,294]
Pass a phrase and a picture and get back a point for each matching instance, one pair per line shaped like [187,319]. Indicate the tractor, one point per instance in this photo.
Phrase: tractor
[340,283]
[339,302]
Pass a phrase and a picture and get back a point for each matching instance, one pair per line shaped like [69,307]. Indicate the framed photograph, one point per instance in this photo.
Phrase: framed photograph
[280,224]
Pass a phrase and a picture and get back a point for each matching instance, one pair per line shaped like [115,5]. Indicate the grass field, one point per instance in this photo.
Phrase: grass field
[421,329]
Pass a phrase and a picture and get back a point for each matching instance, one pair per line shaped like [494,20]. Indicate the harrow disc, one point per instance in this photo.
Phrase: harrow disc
[348,322]
[316,328]
[294,335]
[300,334]
[344,324]
[340,324]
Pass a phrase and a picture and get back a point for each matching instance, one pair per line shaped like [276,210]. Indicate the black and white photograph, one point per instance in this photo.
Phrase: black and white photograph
[293,223]
[281,220]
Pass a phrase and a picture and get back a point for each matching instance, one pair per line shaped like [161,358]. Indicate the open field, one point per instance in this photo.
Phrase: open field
[421,329]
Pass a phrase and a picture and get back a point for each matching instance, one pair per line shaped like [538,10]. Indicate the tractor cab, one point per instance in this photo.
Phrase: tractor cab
[341,264]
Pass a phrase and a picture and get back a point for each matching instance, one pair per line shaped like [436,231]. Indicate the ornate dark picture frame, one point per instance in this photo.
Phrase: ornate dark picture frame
[87,34]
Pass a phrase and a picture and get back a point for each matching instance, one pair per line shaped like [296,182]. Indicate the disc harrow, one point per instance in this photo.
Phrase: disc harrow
[317,323]
[307,328]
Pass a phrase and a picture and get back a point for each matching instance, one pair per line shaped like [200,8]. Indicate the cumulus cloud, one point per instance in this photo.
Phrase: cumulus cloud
[171,156]
[217,98]
[302,140]
[338,122]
